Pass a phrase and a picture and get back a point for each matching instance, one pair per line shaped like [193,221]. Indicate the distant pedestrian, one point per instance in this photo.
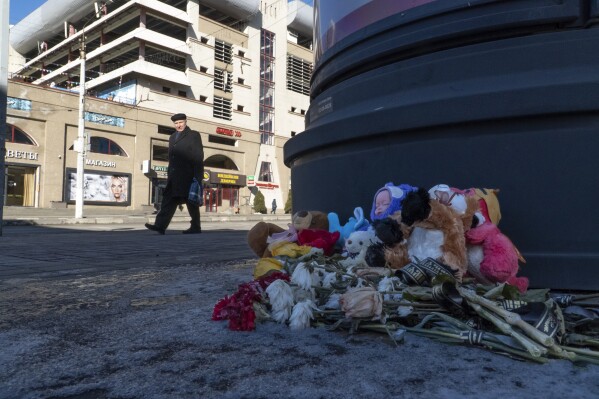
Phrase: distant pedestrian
[274,206]
[185,161]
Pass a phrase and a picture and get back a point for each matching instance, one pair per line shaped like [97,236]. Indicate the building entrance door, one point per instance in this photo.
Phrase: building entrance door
[20,186]
[158,186]
[210,199]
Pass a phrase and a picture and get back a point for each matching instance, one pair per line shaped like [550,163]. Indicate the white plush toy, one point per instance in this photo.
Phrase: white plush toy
[356,246]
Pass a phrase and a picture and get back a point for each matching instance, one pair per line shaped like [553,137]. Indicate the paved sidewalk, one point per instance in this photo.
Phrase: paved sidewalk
[114,311]
[15,216]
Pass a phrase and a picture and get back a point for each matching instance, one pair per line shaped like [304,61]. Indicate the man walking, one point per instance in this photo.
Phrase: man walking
[185,161]
[274,206]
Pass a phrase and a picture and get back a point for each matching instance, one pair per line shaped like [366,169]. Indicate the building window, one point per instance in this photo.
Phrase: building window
[220,162]
[241,81]
[240,108]
[293,109]
[241,53]
[16,135]
[166,89]
[203,99]
[182,93]
[223,51]
[203,69]
[299,73]
[204,40]
[223,80]
[267,43]
[292,133]
[160,153]
[165,129]
[265,172]
[267,87]
[222,108]
[102,145]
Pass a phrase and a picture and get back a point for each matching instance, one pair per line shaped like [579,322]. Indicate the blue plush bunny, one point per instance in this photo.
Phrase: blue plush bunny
[354,223]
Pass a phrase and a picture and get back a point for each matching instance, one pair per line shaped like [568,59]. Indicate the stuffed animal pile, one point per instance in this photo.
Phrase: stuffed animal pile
[455,228]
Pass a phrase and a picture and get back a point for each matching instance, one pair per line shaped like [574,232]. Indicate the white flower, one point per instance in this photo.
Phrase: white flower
[301,315]
[281,315]
[389,284]
[333,302]
[302,276]
[386,284]
[280,296]
[404,311]
[328,279]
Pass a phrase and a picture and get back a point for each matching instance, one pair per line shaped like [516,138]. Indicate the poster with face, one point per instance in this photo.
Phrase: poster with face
[100,188]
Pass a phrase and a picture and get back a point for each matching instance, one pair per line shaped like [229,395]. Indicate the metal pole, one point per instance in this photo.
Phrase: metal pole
[81,142]
[4,32]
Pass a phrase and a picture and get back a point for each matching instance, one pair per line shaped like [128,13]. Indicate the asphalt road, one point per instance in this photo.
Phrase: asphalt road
[50,251]
[119,312]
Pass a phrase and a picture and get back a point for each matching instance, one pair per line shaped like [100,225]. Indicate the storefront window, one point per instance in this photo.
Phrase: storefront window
[20,186]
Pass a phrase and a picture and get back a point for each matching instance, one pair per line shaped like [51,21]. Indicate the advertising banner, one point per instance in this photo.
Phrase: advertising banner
[100,188]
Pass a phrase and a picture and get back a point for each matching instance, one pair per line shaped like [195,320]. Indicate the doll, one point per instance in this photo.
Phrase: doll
[388,199]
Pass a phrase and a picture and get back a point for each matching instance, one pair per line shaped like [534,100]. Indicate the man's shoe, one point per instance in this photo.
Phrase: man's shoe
[153,227]
[191,230]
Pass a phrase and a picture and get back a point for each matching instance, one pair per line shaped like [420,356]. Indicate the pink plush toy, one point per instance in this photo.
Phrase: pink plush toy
[492,257]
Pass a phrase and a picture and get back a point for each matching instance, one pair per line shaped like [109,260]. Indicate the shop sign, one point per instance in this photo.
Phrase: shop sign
[18,103]
[96,162]
[104,119]
[161,171]
[33,156]
[267,186]
[226,178]
[228,132]
[251,181]
[206,176]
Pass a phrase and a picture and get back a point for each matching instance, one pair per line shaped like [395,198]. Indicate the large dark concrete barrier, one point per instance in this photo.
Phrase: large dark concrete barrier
[496,94]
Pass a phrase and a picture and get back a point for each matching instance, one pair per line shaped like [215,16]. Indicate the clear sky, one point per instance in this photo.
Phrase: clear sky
[19,9]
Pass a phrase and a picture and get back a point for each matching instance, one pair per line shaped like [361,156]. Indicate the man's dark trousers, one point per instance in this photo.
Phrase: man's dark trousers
[169,207]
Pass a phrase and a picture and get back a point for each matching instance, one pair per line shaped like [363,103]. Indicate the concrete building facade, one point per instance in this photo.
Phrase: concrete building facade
[240,70]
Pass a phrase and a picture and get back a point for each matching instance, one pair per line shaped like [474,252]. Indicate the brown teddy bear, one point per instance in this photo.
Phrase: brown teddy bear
[259,234]
[437,230]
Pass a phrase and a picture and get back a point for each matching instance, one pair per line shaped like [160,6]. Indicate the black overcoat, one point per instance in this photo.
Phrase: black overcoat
[185,161]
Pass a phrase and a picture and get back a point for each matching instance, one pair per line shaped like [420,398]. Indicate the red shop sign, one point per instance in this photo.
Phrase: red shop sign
[228,132]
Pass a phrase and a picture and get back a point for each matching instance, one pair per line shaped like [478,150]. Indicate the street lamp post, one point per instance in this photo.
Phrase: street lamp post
[4,30]
[81,144]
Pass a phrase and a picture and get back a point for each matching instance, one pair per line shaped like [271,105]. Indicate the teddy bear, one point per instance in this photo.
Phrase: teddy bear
[356,246]
[354,223]
[259,236]
[437,230]
[392,250]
